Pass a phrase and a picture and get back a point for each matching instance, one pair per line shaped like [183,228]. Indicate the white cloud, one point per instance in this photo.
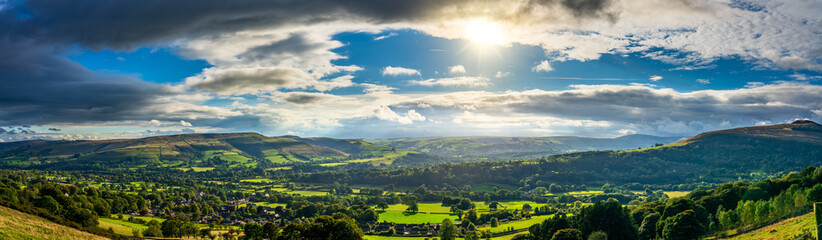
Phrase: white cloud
[502,74]
[397,71]
[703,81]
[381,37]
[414,116]
[185,124]
[454,81]
[456,69]
[543,66]
[385,113]
[155,123]
[655,78]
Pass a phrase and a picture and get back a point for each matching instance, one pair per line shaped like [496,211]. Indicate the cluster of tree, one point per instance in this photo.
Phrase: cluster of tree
[608,217]
[729,206]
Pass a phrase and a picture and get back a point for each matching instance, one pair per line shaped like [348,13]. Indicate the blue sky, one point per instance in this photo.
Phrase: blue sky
[372,70]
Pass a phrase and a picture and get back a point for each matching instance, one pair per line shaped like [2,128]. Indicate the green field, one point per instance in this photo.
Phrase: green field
[522,224]
[424,208]
[120,226]
[676,194]
[417,218]
[308,193]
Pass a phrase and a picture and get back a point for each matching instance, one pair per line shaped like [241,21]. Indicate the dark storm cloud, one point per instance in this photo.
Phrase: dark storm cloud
[304,98]
[295,44]
[641,104]
[40,87]
[246,80]
[129,24]
[54,129]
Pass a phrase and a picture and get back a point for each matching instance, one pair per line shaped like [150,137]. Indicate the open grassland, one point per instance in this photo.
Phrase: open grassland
[481,207]
[522,224]
[120,226]
[785,229]
[308,193]
[676,194]
[17,225]
[416,218]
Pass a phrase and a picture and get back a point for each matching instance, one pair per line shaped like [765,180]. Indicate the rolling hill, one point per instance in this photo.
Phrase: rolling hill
[519,147]
[17,225]
[198,151]
[749,153]
[722,156]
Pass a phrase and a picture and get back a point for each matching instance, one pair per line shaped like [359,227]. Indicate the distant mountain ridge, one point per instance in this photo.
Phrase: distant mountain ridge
[184,151]
[740,154]
[520,147]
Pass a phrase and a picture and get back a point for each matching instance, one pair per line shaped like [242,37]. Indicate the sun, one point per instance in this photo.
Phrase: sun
[485,32]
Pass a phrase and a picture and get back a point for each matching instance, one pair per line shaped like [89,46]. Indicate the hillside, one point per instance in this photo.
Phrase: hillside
[718,156]
[786,229]
[187,151]
[18,225]
[713,157]
[519,147]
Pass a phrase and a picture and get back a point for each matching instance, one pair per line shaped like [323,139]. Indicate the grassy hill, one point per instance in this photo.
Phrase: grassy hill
[188,151]
[360,150]
[749,153]
[786,229]
[720,156]
[17,225]
[519,147]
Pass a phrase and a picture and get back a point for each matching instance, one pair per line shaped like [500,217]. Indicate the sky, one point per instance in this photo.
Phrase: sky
[385,69]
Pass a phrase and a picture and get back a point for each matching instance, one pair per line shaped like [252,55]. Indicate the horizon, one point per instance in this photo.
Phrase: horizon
[461,136]
[374,70]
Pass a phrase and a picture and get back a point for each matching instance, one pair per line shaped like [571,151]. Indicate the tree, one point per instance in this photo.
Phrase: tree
[494,205]
[153,230]
[271,230]
[412,207]
[346,229]
[253,231]
[48,203]
[599,235]
[494,222]
[815,193]
[647,230]
[526,208]
[683,226]
[369,215]
[472,235]
[448,231]
[471,216]
[205,232]
[607,216]
[382,206]
[567,234]
[465,204]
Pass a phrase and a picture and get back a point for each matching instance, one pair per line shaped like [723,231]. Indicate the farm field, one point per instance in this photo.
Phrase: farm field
[120,226]
[415,218]
[522,224]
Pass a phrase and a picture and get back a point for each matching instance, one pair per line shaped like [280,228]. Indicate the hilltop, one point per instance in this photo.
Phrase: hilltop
[195,151]
[520,147]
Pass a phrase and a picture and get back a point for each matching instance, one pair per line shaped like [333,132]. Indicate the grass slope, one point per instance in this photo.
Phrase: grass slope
[18,225]
[519,147]
[785,229]
[186,151]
